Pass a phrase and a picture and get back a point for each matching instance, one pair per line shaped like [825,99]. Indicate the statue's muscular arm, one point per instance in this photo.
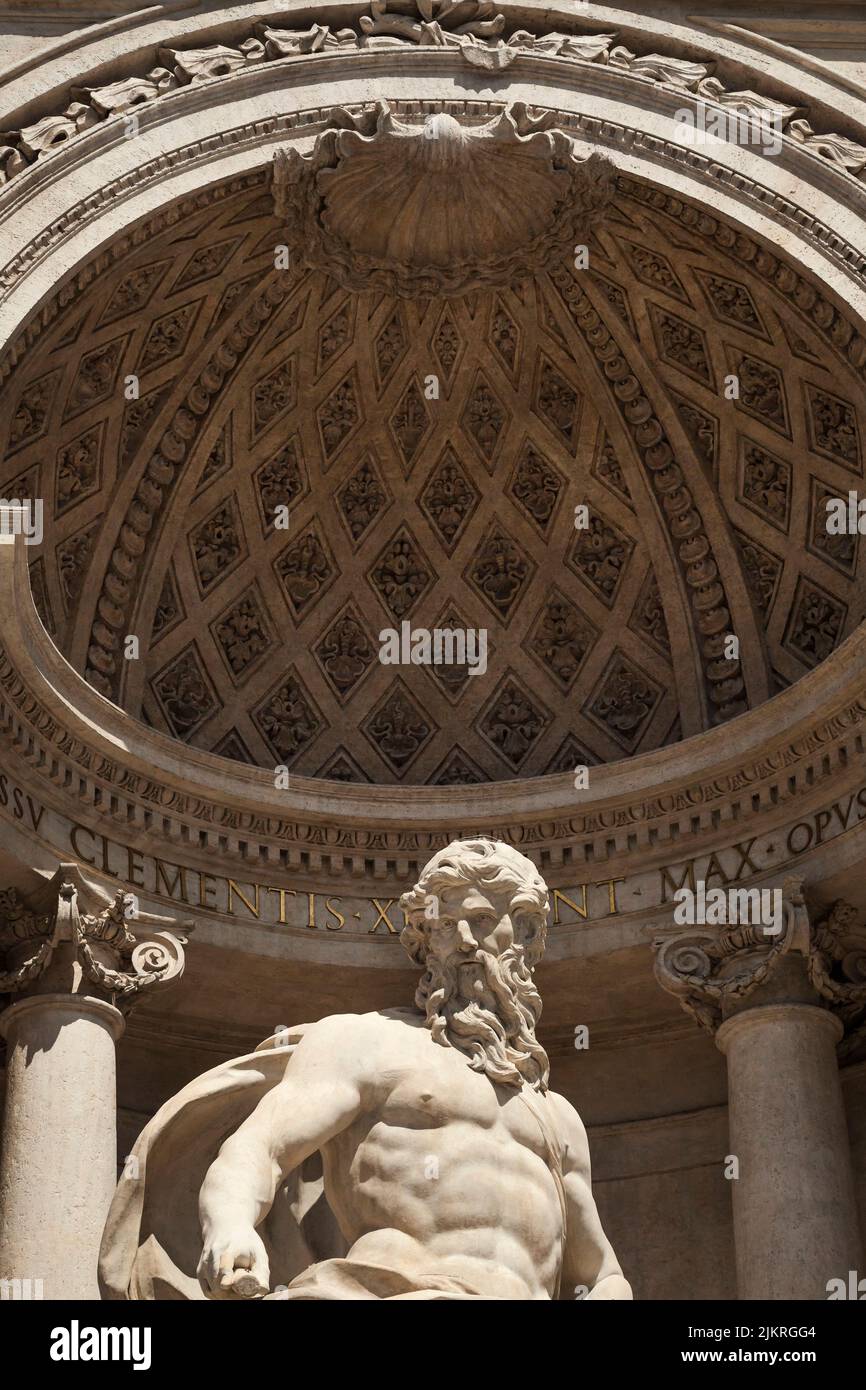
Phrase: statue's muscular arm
[319,1096]
[589,1261]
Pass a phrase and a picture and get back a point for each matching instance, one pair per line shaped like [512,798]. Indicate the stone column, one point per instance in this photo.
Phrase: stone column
[795,1214]
[58,1163]
[777,1007]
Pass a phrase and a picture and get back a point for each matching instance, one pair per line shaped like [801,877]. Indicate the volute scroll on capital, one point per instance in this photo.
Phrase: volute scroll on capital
[98,946]
[712,971]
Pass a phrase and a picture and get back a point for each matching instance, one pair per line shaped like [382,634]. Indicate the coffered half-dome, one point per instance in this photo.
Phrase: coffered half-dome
[431,453]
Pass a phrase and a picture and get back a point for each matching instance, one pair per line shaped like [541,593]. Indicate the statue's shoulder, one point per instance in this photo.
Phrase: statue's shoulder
[569,1126]
[376,1021]
[413,1018]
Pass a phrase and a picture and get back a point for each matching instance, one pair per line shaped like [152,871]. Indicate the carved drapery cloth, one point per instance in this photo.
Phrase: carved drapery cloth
[119,963]
[711,971]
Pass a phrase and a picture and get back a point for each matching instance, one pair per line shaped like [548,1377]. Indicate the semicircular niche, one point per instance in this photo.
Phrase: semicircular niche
[429,454]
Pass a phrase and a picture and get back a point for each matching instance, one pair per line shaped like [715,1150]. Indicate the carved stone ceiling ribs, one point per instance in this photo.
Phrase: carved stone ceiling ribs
[261,642]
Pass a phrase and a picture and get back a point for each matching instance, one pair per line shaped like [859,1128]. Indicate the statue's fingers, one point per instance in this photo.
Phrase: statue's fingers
[261,1271]
[205,1271]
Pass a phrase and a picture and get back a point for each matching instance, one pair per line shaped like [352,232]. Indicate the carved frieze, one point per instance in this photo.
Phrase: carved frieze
[471,28]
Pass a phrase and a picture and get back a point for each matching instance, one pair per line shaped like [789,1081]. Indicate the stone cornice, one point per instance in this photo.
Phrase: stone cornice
[737,50]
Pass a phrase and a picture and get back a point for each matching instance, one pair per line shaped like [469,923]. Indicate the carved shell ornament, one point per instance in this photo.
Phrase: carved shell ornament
[441,206]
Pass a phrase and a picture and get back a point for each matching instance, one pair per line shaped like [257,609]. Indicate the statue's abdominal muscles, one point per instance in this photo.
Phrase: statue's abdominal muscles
[449,1168]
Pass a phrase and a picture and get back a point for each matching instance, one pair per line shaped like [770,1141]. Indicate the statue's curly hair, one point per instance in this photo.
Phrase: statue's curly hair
[481,863]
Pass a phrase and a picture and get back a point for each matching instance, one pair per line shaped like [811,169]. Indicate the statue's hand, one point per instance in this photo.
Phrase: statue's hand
[234,1264]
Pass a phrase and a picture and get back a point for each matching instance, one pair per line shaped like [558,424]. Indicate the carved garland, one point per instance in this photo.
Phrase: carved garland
[469,28]
[724,683]
[709,971]
[154,959]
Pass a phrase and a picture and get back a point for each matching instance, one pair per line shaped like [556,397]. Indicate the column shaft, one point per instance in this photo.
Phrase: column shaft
[795,1216]
[58,1163]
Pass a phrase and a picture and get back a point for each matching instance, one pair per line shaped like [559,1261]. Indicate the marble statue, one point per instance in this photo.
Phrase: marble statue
[410,1153]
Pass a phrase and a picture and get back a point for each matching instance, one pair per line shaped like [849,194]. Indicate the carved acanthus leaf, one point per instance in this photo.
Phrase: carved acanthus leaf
[472,28]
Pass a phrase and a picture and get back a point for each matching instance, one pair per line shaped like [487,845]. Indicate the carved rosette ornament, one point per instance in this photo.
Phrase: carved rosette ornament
[512,198]
[83,950]
[711,972]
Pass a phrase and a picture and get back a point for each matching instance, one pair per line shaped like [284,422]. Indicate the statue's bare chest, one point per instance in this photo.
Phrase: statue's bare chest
[434,1087]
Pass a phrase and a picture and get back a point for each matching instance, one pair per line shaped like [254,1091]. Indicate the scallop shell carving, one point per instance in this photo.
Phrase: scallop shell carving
[439,207]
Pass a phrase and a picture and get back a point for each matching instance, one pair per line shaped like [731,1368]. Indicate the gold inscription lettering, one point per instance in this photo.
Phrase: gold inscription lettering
[383,916]
[179,880]
[610,885]
[281,893]
[334,913]
[252,907]
[134,868]
[206,886]
[74,833]
[581,910]
[668,881]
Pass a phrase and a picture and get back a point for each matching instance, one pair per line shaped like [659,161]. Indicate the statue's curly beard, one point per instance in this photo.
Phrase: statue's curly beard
[495,1026]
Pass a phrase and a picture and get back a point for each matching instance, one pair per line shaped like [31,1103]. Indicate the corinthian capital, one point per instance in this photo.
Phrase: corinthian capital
[72,936]
[837,969]
[710,971]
